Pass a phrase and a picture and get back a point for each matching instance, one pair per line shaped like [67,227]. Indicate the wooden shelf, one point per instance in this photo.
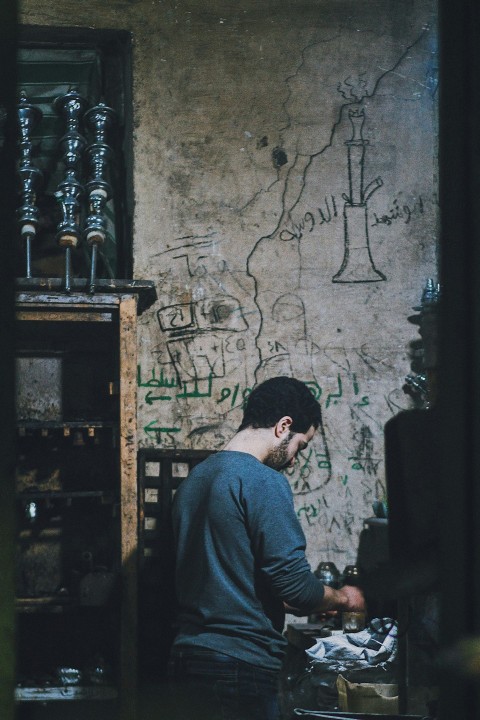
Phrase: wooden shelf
[65,425]
[31,289]
[107,498]
[53,603]
[84,462]
[65,693]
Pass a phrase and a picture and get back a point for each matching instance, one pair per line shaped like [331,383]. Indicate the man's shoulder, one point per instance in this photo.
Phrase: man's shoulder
[243,461]
[235,464]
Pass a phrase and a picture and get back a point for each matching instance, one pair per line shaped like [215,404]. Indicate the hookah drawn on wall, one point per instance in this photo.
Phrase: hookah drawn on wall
[357,265]
[71,191]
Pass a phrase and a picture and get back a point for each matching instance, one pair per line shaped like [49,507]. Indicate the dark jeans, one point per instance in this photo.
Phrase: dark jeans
[208,685]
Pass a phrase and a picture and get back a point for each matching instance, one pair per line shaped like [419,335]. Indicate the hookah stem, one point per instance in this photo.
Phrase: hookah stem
[70,106]
[67,270]
[98,119]
[28,253]
[93,268]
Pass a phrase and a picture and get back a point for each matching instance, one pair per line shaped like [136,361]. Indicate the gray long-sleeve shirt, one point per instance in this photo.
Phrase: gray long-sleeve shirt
[240,553]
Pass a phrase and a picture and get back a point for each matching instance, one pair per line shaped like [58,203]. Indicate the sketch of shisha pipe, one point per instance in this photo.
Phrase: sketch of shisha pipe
[357,265]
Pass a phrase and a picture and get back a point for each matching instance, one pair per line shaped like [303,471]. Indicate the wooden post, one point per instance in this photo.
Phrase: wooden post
[129,505]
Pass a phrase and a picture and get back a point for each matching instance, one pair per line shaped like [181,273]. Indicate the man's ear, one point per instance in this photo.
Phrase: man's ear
[283,426]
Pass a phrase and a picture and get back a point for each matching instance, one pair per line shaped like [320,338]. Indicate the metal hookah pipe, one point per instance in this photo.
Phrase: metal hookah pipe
[99,119]
[70,106]
[357,265]
[30,177]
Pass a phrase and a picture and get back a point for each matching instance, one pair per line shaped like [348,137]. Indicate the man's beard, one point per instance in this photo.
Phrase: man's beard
[278,457]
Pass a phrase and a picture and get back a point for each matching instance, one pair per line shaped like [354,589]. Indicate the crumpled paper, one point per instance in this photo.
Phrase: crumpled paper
[375,645]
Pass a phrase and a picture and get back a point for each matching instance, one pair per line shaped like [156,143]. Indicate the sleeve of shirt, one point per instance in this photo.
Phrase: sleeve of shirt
[278,543]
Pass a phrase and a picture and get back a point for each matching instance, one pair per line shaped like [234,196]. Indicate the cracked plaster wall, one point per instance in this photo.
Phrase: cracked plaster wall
[285,206]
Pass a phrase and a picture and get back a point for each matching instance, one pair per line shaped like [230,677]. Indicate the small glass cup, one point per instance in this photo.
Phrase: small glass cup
[353,621]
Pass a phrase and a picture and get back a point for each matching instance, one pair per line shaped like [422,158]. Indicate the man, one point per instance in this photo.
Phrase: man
[241,561]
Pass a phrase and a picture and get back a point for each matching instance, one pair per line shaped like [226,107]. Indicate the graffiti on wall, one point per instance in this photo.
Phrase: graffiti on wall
[202,336]
[227,320]
[357,264]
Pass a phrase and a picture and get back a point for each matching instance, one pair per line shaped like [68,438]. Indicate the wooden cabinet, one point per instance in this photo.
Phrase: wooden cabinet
[76,498]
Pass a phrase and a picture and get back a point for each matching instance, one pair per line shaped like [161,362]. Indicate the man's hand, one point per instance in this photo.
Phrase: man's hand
[353,598]
[347,598]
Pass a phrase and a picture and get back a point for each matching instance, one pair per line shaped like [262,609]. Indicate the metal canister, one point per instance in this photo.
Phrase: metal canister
[350,575]
[328,573]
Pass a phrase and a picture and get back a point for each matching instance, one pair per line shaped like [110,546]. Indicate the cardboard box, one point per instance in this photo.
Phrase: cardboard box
[367,697]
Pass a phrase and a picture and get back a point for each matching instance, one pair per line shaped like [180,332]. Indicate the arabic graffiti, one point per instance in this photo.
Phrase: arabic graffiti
[305,468]
[326,214]
[313,466]
[199,257]
[319,513]
[219,313]
[154,382]
[195,389]
[362,458]
[322,215]
[255,296]
[404,212]
[165,434]
[314,513]
[202,336]
[227,393]
[191,389]
[176,317]
[332,398]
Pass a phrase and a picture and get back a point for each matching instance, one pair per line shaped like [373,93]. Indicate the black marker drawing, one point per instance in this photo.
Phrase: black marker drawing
[363,457]
[357,265]
[200,335]
[176,317]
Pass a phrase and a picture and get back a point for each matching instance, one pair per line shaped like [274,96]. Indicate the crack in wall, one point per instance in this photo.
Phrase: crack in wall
[307,160]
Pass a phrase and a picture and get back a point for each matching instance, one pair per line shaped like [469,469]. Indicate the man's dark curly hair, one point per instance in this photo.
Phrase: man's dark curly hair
[280,396]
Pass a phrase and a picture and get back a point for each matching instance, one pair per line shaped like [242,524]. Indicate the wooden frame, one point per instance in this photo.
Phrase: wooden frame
[120,308]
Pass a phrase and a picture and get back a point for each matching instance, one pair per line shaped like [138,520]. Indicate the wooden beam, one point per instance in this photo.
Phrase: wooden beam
[129,506]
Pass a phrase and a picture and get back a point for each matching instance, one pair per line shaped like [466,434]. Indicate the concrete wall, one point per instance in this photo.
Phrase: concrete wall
[272,140]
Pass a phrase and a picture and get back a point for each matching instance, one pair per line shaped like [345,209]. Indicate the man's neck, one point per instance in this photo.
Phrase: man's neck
[256,442]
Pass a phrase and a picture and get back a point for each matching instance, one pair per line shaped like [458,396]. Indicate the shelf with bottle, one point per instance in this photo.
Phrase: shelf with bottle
[49,693]
[94,591]
[76,498]
[77,432]
[82,585]
[77,466]
[48,496]
[73,666]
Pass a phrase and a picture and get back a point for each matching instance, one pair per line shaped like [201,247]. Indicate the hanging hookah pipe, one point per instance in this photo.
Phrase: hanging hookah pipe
[99,119]
[70,106]
[30,177]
